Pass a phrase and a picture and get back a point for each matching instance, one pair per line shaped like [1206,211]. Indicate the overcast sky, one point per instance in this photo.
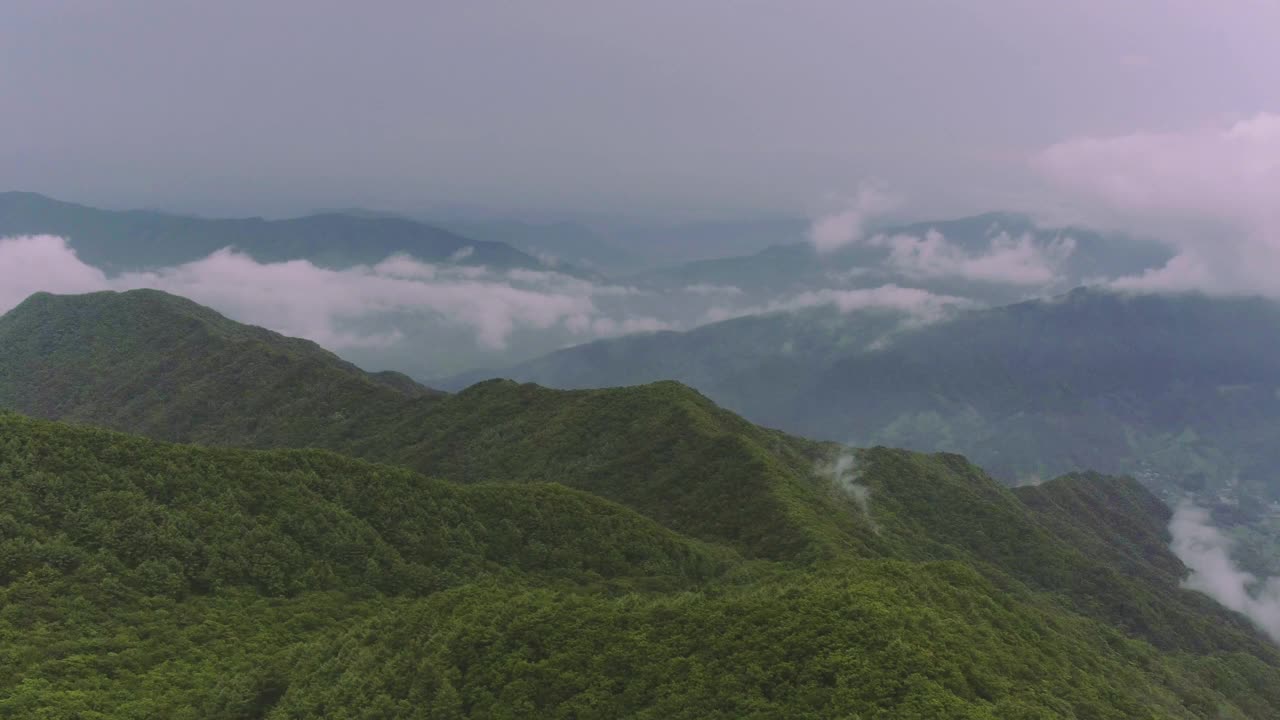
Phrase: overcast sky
[670,107]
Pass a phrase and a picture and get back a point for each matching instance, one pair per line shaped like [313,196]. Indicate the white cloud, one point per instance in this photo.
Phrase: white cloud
[849,225]
[300,299]
[1206,551]
[919,305]
[850,275]
[708,289]
[1211,193]
[31,263]
[568,283]
[462,253]
[609,327]
[1009,260]
[846,476]
[549,260]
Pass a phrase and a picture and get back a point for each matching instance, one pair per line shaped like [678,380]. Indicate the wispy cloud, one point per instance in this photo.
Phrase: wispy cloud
[845,472]
[1207,552]
[710,290]
[848,225]
[1010,260]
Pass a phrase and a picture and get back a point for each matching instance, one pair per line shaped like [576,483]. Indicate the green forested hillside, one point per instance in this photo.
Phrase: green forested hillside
[163,366]
[113,549]
[527,552]
[140,580]
[876,639]
[291,521]
[154,364]
[662,449]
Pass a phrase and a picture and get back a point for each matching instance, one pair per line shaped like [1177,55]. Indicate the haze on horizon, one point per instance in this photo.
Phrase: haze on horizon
[660,108]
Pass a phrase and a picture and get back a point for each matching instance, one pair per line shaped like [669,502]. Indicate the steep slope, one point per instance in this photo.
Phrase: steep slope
[136,239]
[1106,516]
[1114,566]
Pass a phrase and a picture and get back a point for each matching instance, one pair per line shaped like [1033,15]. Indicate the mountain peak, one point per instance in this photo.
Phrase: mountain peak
[168,367]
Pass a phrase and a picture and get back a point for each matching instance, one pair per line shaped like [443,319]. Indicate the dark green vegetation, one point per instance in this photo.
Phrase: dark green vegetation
[140,580]
[143,239]
[609,553]
[128,565]
[1181,391]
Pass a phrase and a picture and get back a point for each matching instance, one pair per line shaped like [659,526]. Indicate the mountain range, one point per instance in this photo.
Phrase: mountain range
[992,258]
[632,551]
[141,239]
[1181,391]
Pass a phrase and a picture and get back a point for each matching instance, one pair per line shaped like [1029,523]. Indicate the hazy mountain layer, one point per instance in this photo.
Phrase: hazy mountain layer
[992,258]
[136,239]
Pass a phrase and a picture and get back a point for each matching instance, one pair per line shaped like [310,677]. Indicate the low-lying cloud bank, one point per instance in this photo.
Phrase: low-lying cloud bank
[298,298]
[916,304]
[331,306]
[1210,193]
[1207,552]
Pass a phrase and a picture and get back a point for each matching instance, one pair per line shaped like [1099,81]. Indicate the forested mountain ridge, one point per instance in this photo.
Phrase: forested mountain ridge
[1178,390]
[140,239]
[138,578]
[711,567]
[155,364]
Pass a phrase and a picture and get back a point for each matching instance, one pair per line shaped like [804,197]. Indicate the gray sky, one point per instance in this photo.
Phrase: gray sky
[672,107]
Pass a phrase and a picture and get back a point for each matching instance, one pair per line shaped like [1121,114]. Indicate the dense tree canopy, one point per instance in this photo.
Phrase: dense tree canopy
[139,578]
[525,552]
